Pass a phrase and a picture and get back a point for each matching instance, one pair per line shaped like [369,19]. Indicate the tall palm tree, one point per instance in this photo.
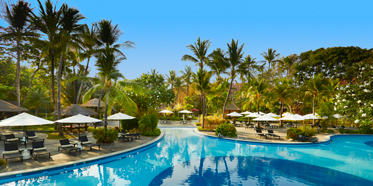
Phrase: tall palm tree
[171,78]
[179,87]
[248,67]
[202,85]
[19,30]
[315,86]
[218,63]
[48,22]
[287,63]
[270,56]
[257,91]
[199,50]
[69,38]
[186,75]
[89,44]
[234,60]
[282,90]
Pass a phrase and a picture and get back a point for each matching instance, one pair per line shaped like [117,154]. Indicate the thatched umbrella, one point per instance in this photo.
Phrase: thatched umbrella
[93,103]
[73,110]
[8,107]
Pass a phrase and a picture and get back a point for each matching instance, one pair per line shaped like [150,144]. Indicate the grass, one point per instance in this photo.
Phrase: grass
[55,136]
[37,128]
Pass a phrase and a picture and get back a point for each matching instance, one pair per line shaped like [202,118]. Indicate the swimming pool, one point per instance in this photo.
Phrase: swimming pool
[186,158]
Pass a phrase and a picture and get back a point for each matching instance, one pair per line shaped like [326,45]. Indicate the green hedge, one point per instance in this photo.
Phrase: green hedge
[226,129]
[148,125]
[105,136]
[130,124]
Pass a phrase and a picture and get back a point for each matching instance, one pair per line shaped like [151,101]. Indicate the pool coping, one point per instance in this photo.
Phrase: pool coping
[83,161]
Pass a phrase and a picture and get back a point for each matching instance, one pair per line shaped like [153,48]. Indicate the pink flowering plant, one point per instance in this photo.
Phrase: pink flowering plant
[355,100]
[105,136]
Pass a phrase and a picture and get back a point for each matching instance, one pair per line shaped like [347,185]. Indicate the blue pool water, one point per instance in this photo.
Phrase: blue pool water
[186,158]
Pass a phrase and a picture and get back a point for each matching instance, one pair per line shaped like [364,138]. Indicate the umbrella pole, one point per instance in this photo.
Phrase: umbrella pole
[79,129]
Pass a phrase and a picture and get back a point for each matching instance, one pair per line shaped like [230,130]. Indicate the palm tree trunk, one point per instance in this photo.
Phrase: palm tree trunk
[99,104]
[81,83]
[203,111]
[226,100]
[250,111]
[106,108]
[59,74]
[18,73]
[313,108]
[187,89]
[51,51]
[258,113]
[281,110]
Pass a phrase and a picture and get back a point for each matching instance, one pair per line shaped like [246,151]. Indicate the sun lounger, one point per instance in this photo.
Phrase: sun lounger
[271,133]
[11,138]
[66,145]
[31,135]
[11,151]
[38,149]
[121,136]
[125,133]
[259,133]
[85,142]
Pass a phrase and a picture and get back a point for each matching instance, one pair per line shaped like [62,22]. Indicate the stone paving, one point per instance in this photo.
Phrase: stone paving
[59,157]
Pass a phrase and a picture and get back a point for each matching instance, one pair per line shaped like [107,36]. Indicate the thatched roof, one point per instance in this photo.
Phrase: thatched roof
[232,106]
[8,107]
[75,109]
[93,103]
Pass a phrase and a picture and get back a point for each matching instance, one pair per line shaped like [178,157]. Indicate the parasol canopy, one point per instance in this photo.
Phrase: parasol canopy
[265,118]
[245,113]
[166,111]
[24,119]
[234,114]
[253,115]
[120,116]
[272,115]
[185,112]
[79,118]
[293,118]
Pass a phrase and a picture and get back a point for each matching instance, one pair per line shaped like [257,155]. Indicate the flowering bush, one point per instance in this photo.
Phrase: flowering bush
[105,136]
[355,100]
[226,129]
[293,133]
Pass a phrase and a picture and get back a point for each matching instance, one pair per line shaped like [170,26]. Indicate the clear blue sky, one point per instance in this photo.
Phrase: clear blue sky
[161,29]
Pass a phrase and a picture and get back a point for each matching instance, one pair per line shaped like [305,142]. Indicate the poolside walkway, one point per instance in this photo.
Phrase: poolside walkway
[59,157]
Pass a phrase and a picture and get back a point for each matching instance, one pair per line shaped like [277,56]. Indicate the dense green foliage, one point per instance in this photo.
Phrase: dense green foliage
[293,133]
[105,136]
[129,124]
[148,125]
[226,129]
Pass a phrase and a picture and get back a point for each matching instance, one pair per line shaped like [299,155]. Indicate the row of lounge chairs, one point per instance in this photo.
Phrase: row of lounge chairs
[124,135]
[269,133]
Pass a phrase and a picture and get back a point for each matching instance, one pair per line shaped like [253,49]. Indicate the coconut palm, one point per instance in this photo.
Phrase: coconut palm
[37,99]
[257,91]
[19,30]
[270,56]
[69,39]
[199,50]
[287,63]
[282,91]
[315,86]
[48,23]
[89,45]
[218,63]
[248,67]
[171,78]
[178,87]
[186,75]
[201,81]
[234,62]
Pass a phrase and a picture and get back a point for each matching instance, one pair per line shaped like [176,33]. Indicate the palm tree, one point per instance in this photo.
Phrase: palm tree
[69,38]
[249,65]
[218,63]
[257,90]
[270,56]
[171,78]
[282,91]
[187,76]
[234,60]
[19,30]
[199,50]
[202,84]
[90,41]
[178,86]
[287,63]
[48,22]
[37,99]
[315,86]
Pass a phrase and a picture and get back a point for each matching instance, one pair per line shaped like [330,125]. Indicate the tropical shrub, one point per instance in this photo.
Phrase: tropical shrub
[3,162]
[148,125]
[341,131]
[293,133]
[129,124]
[354,100]
[201,129]
[213,121]
[105,136]
[329,131]
[307,131]
[226,129]
[198,124]
[154,132]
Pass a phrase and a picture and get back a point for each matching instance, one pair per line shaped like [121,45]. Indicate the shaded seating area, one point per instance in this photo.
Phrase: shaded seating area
[11,151]
[85,142]
[260,133]
[30,135]
[66,145]
[39,149]
[272,134]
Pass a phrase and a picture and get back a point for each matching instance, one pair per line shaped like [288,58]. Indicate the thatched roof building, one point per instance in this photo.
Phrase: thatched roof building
[75,109]
[93,103]
[8,107]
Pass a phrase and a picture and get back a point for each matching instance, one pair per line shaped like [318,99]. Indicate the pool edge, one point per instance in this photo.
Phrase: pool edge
[28,171]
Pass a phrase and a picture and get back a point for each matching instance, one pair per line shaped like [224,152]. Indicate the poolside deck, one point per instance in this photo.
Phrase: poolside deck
[59,157]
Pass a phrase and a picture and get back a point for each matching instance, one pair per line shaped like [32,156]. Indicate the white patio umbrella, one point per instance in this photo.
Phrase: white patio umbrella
[234,114]
[166,111]
[261,113]
[337,116]
[265,118]
[24,119]
[286,114]
[293,118]
[79,119]
[120,116]
[272,115]
[253,115]
[310,116]
[186,112]
[245,113]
